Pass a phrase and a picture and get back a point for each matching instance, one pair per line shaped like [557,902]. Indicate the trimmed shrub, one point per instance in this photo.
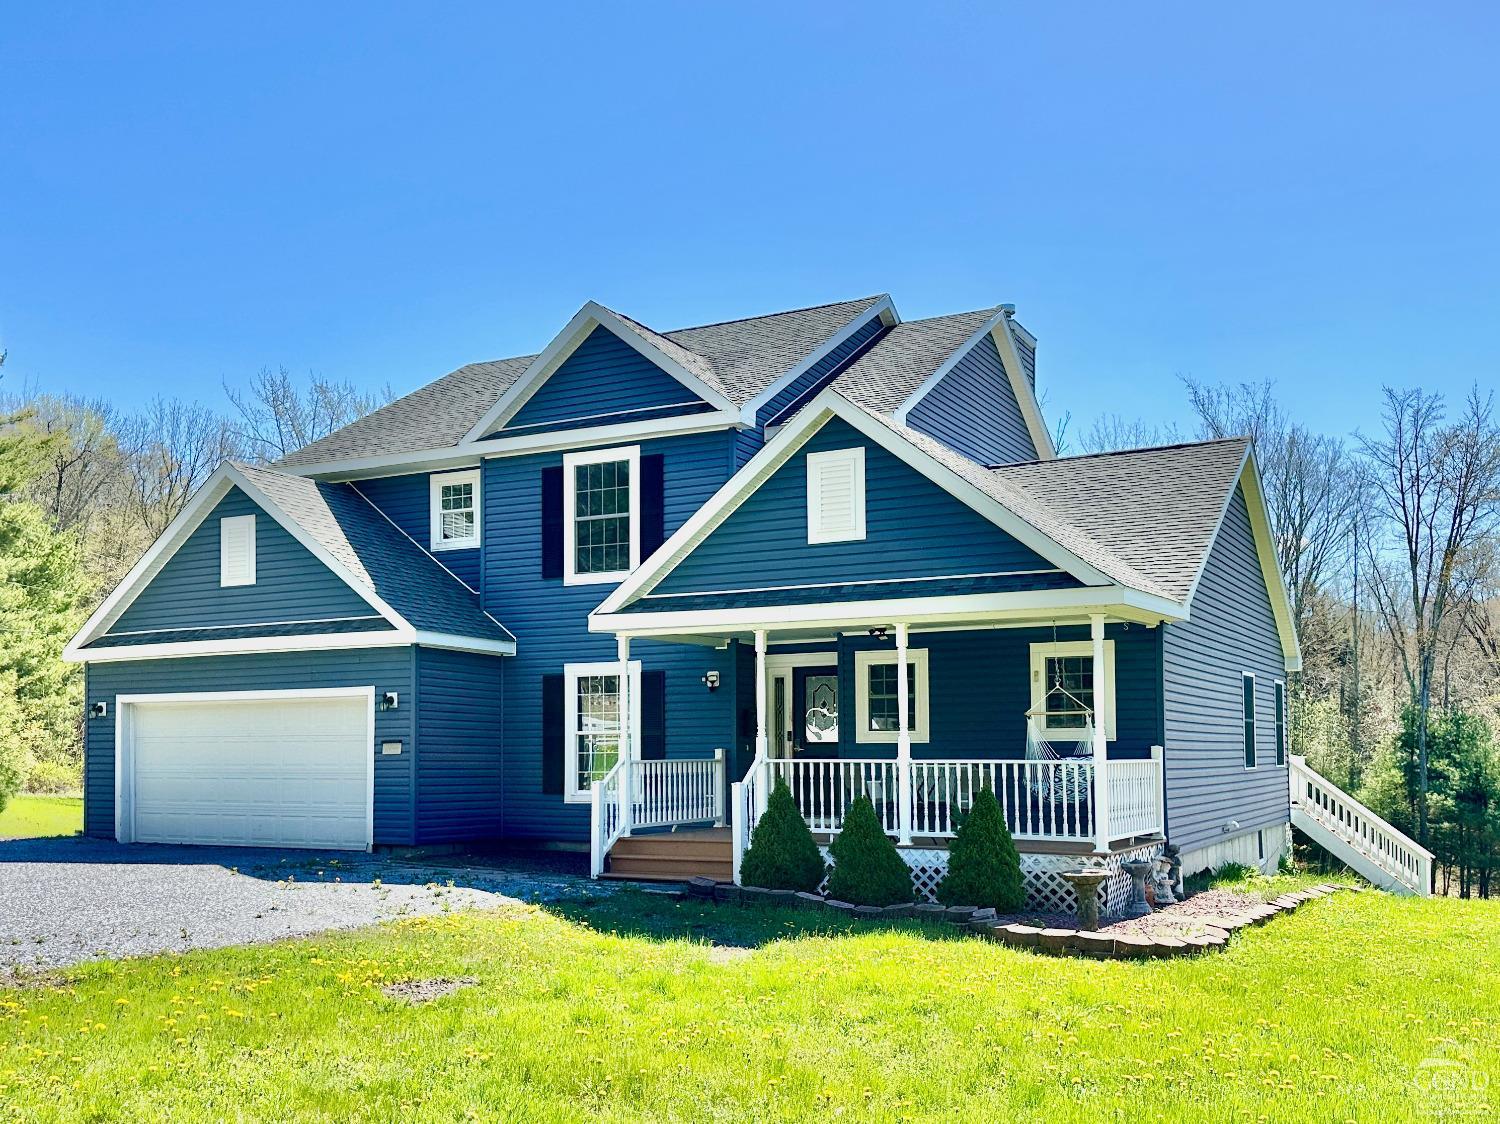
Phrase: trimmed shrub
[867,868]
[983,866]
[782,853]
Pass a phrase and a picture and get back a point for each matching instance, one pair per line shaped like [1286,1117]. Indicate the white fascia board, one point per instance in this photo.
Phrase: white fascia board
[1036,605]
[1248,477]
[590,316]
[884,308]
[260,645]
[998,328]
[784,445]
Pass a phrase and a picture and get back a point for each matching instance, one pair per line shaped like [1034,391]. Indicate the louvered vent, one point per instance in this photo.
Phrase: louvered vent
[237,550]
[836,496]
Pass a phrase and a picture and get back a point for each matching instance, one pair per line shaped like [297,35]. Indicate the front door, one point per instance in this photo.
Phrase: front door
[814,727]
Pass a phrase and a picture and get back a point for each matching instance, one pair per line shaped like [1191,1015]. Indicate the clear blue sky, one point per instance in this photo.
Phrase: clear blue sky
[1307,192]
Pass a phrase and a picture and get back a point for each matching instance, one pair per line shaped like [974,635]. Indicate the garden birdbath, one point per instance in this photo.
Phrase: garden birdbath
[1138,906]
[1086,886]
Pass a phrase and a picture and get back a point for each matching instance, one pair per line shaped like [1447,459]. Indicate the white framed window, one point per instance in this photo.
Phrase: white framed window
[875,702]
[237,550]
[592,703]
[836,496]
[455,509]
[1063,686]
[601,515]
[1247,713]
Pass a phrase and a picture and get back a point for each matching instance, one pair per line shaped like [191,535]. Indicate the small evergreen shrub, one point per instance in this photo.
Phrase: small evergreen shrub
[867,868]
[983,866]
[782,853]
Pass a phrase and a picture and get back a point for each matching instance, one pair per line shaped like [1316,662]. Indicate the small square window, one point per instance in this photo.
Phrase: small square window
[877,714]
[455,510]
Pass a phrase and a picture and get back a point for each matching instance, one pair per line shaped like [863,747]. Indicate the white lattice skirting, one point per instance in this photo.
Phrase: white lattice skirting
[1047,891]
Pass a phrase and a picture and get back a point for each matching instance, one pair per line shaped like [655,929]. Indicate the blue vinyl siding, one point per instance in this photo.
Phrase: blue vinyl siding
[1231,631]
[385,669]
[973,409]
[458,748]
[407,502]
[822,372]
[290,584]
[551,621]
[604,375]
[913,529]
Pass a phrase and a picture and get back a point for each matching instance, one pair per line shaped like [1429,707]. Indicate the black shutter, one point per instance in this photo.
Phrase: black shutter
[553,723]
[653,504]
[552,522]
[653,715]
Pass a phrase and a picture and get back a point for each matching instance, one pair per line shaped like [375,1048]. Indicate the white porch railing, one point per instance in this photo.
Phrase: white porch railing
[666,792]
[1135,796]
[825,787]
[1342,825]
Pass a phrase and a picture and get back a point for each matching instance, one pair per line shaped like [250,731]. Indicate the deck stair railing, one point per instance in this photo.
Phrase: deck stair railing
[1367,844]
[662,792]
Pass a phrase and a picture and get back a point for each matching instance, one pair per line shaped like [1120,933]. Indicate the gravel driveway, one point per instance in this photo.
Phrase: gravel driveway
[67,900]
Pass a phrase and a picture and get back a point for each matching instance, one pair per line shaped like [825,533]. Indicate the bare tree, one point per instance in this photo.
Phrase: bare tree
[278,417]
[172,447]
[1113,432]
[1436,490]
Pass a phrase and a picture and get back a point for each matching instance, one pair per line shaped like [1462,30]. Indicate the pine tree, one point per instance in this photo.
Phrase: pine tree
[867,868]
[983,866]
[782,853]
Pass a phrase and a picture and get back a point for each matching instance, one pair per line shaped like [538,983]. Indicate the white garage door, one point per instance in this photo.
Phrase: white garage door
[285,772]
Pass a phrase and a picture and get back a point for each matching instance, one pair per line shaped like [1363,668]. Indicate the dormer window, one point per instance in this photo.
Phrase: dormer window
[836,496]
[237,550]
[455,510]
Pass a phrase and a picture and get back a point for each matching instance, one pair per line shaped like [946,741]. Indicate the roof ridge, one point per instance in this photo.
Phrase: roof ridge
[951,316]
[769,315]
[1121,452]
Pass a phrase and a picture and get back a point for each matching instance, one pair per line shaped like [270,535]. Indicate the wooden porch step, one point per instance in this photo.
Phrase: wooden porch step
[673,856]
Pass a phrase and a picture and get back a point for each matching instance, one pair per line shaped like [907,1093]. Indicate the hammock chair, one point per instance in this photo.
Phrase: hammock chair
[1069,785]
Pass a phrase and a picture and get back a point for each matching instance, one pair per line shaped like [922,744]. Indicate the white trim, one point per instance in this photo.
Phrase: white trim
[592,315]
[435,485]
[123,746]
[1039,654]
[1253,718]
[230,528]
[840,585]
[827,405]
[853,461]
[255,624]
[402,530]
[998,327]
[254,645]
[868,658]
[572,672]
[631,454]
[884,309]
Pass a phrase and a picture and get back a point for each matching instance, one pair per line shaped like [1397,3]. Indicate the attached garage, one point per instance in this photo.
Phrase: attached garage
[253,768]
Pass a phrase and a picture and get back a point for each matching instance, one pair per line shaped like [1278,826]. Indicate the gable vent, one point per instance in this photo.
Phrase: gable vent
[836,496]
[237,550]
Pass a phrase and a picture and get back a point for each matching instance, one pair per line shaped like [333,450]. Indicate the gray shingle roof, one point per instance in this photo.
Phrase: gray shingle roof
[888,374]
[739,358]
[378,554]
[1154,509]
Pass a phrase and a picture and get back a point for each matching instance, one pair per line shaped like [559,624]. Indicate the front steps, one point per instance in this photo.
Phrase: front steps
[673,856]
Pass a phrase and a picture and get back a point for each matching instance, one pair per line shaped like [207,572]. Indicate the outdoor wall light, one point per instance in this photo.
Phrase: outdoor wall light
[389,700]
[878,632]
[711,680]
[98,710]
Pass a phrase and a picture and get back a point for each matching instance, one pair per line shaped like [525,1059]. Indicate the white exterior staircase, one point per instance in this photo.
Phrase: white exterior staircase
[1364,842]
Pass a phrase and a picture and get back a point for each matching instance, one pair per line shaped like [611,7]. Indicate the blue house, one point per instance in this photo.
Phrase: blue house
[602,596]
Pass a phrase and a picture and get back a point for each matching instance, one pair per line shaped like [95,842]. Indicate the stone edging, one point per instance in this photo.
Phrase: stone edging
[1057,942]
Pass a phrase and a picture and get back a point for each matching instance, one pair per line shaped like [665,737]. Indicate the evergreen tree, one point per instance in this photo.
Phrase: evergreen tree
[782,853]
[867,868]
[983,866]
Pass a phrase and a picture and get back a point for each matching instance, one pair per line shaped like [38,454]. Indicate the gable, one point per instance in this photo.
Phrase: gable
[973,409]
[914,529]
[291,587]
[603,381]
[822,372]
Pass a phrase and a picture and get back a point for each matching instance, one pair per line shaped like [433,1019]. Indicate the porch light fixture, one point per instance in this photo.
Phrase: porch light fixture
[711,680]
[98,710]
[389,700]
[878,632]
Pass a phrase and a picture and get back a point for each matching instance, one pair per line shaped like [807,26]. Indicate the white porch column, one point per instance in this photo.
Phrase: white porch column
[1101,742]
[627,738]
[762,741]
[903,742]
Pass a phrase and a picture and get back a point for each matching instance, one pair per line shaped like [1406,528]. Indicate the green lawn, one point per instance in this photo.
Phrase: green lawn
[599,1011]
[27,816]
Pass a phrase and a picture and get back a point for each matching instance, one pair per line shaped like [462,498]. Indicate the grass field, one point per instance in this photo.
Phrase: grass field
[27,816]
[1358,1007]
